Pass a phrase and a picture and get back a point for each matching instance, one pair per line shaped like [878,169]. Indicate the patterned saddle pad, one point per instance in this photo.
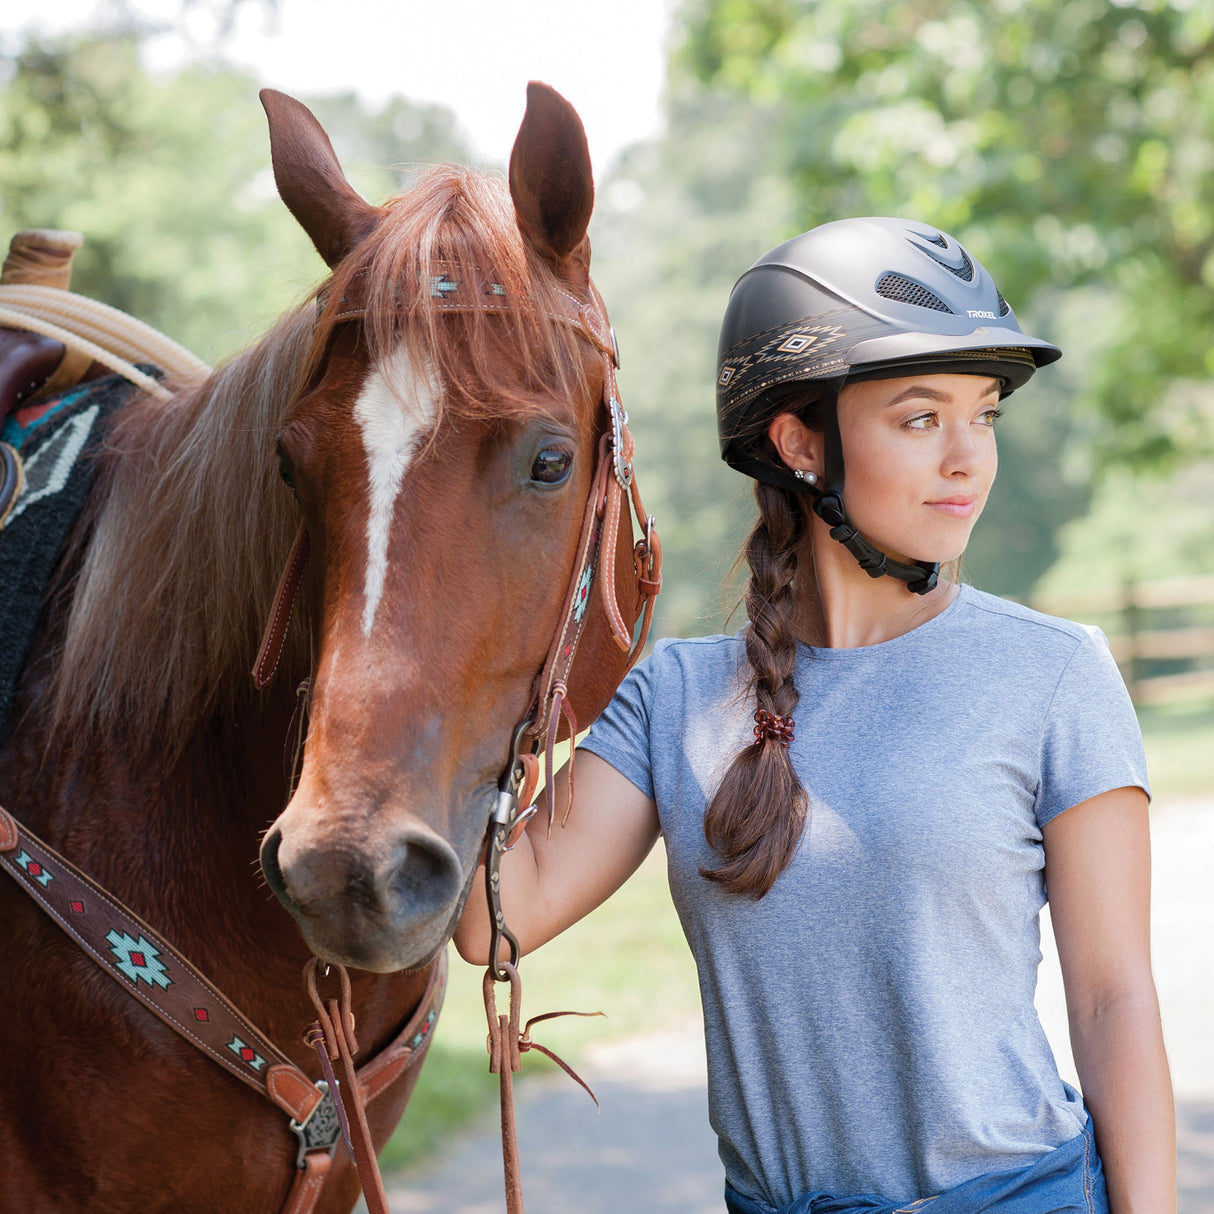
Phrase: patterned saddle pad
[56,441]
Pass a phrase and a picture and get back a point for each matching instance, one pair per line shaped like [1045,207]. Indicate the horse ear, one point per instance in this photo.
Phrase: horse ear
[310,180]
[551,183]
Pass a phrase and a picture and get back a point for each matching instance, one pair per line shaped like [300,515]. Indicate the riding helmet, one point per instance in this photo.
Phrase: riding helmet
[858,299]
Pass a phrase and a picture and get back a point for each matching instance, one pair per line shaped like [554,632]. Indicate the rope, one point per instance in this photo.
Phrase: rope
[105,334]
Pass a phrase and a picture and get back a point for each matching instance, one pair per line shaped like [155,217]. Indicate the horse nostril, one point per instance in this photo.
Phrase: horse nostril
[428,876]
[270,869]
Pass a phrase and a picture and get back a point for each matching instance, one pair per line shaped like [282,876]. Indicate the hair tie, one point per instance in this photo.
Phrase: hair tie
[768,725]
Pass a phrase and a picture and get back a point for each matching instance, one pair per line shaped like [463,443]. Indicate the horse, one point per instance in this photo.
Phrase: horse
[439,455]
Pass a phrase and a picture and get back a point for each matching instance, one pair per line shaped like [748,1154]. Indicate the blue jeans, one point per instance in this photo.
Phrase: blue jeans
[1068,1180]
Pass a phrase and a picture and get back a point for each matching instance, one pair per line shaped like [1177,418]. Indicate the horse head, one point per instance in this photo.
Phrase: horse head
[443,449]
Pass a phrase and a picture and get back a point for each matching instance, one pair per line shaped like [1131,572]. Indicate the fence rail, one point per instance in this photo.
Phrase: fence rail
[1161,633]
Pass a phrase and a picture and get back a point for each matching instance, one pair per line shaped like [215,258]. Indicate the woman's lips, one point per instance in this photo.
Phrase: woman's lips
[955,507]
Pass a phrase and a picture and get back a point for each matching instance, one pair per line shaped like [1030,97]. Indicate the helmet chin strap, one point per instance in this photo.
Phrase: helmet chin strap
[920,578]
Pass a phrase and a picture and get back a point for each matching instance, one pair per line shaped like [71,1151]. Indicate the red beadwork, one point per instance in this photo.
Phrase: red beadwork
[77,908]
[768,725]
[138,959]
[200,1013]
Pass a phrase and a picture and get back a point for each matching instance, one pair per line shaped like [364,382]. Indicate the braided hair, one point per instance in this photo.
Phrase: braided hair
[757,815]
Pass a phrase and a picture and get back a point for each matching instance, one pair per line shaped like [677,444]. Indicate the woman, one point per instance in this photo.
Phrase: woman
[865,793]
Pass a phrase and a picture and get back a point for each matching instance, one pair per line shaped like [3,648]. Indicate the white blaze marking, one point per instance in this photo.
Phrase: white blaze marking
[395,411]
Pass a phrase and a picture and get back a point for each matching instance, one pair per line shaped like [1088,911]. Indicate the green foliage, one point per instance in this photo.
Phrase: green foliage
[169,179]
[1068,142]
[677,222]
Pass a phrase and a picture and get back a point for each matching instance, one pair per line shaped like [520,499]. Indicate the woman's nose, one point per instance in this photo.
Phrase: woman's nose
[966,452]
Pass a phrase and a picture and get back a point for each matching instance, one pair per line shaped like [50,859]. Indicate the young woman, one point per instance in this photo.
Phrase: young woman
[865,793]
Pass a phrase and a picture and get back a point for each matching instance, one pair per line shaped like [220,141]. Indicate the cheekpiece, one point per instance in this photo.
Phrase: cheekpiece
[768,725]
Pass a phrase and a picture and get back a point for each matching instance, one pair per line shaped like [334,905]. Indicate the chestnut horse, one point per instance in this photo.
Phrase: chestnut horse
[441,458]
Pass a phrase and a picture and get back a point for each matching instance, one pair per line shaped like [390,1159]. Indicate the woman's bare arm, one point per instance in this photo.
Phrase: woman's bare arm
[1098,875]
[549,883]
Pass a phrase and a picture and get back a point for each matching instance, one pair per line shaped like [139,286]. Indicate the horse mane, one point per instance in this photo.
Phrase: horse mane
[173,566]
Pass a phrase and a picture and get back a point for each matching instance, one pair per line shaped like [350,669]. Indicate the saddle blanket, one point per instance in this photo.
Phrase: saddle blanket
[57,441]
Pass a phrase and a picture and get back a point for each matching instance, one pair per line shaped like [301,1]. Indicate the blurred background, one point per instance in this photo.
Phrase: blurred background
[1068,143]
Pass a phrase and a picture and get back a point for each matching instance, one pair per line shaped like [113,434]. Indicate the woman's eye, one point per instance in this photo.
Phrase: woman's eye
[991,416]
[925,421]
[551,465]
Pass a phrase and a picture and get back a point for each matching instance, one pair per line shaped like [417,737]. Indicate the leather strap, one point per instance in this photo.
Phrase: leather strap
[150,969]
[309,1183]
[270,651]
[507,1043]
[505,1061]
[333,1037]
[156,974]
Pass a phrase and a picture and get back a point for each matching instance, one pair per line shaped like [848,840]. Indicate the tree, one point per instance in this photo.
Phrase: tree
[676,222]
[169,179]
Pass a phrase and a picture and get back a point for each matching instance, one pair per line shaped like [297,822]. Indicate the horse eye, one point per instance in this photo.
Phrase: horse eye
[286,469]
[551,465]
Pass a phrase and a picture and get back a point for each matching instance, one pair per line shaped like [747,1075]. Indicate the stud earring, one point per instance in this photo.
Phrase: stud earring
[802,474]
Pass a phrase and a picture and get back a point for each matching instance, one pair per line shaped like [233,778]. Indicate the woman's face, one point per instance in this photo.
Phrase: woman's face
[919,459]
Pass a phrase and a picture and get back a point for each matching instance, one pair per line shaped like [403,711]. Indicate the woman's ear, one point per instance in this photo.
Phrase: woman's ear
[800,448]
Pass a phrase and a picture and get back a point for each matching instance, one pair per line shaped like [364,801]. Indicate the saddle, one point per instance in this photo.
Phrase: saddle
[32,365]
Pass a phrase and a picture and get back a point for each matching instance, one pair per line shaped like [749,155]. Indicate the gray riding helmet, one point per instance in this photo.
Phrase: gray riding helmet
[858,299]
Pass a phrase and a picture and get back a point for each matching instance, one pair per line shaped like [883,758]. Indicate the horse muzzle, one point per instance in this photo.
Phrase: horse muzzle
[386,909]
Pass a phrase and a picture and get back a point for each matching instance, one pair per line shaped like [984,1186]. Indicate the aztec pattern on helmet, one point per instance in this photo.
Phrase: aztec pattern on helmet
[814,347]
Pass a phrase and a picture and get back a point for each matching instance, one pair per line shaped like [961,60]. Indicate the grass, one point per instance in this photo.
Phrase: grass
[630,961]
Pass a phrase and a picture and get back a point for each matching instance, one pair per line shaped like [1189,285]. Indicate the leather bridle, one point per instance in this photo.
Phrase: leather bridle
[592,608]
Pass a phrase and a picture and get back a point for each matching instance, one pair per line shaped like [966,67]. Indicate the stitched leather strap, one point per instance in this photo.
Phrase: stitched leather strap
[156,974]
[309,1183]
[270,651]
[151,970]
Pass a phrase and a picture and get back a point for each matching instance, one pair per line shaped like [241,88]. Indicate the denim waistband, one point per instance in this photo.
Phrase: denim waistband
[1067,1180]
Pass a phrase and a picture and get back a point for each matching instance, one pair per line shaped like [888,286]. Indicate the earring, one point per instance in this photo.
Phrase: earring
[802,474]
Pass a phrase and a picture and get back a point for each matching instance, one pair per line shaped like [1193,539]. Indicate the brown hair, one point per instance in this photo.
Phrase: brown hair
[757,816]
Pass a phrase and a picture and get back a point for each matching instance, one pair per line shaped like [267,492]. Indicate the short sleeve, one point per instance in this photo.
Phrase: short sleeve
[1091,742]
[621,735]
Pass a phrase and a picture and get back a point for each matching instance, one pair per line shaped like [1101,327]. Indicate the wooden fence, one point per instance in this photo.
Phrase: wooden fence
[1161,633]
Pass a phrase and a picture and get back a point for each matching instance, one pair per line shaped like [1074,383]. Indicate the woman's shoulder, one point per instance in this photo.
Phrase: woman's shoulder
[698,657]
[689,668]
[705,648]
[1011,619]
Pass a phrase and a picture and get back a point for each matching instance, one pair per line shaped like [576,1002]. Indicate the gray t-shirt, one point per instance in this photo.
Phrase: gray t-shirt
[869,1022]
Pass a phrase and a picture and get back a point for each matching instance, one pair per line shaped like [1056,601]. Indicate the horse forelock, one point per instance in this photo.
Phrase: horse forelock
[460,225]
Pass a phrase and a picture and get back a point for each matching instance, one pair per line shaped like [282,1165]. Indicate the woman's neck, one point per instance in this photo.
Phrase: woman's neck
[841,607]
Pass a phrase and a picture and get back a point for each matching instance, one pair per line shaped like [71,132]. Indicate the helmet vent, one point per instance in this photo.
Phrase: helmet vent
[1004,307]
[903,290]
[939,238]
[965,271]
